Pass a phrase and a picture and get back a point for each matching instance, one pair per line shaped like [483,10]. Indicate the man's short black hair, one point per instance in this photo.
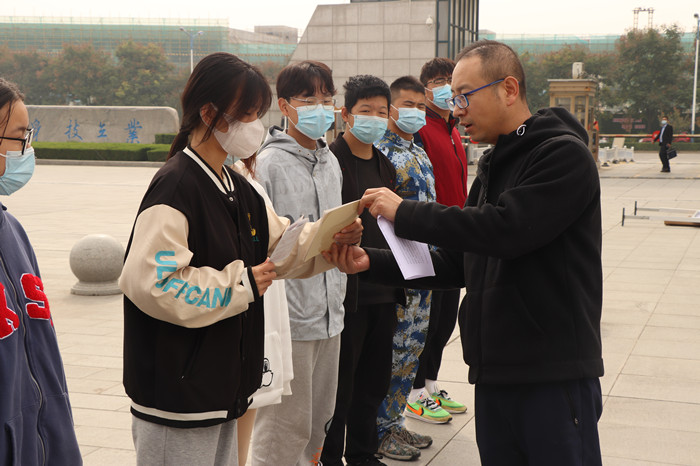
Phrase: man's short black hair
[406,83]
[436,68]
[305,78]
[365,86]
[498,60]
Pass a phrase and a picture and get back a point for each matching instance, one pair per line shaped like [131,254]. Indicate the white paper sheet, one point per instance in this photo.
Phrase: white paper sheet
[413,257]
[288,240]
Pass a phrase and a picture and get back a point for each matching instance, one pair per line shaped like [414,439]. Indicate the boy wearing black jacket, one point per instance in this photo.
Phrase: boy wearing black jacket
[370,317]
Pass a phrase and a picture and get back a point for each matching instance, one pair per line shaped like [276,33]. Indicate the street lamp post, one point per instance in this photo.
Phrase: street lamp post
[695,75]
[192,35]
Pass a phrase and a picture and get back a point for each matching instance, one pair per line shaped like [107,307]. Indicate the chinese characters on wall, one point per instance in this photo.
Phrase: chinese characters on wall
[73,130]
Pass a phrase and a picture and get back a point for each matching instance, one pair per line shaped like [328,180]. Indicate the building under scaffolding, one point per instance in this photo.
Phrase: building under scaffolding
[47,35]
[535,44]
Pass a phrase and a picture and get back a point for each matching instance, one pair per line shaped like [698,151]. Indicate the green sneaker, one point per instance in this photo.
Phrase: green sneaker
[427,410]
[447,403]
[414,438]
[393,446]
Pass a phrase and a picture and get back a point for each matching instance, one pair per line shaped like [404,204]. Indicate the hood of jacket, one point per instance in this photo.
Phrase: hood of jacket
[543,125]
[277,139]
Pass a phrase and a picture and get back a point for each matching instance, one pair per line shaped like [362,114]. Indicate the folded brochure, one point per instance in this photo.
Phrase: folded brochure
[332,222]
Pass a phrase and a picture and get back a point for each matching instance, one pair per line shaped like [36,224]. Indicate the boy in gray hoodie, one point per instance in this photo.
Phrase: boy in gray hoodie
[302,177]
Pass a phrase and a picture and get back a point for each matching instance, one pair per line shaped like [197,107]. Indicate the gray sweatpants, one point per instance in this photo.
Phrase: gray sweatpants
[293,432]
[169,446]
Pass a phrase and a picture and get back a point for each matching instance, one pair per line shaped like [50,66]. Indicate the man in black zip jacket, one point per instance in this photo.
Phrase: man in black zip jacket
[527,247]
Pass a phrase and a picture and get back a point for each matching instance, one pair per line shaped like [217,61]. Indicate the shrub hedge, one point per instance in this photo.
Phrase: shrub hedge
[165,138]
[101,151]
[160,154]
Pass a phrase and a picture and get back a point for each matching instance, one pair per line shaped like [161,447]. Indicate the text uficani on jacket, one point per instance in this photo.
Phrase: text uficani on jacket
[35,412]
[305,182]
[193,319]
[527,247]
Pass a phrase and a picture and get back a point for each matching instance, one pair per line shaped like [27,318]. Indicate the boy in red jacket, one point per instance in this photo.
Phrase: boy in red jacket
[443,144]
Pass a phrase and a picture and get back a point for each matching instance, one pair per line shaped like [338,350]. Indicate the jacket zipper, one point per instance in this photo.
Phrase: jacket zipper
[26,355]
[454,148]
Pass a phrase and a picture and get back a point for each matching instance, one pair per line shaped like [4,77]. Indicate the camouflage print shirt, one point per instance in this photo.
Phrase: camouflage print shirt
[415,181]
[414,172]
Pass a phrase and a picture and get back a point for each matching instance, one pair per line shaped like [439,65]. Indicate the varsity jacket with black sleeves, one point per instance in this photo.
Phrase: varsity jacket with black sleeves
[193,320]
[527,247]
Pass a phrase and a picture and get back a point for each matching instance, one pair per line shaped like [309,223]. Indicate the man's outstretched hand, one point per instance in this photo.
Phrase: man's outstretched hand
[351,234]
[380,201]
[349,259]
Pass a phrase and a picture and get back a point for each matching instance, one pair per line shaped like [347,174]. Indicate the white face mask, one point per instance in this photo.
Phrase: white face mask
[241,140]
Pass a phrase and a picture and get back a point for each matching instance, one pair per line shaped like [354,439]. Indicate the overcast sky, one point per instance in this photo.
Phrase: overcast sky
[500,16]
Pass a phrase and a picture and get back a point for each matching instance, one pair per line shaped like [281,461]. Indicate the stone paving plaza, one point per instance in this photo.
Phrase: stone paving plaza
[651,314]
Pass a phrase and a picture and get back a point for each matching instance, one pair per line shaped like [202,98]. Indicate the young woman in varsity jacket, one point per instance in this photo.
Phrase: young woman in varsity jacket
[195,272]
[35,414]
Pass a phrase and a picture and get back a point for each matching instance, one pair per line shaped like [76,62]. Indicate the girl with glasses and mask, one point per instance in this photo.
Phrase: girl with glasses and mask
[35,412]
[195,272]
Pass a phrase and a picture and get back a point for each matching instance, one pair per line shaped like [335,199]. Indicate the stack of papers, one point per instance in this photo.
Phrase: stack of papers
[412,257]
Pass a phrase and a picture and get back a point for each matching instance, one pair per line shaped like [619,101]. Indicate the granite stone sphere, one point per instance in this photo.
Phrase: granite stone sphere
[97,261]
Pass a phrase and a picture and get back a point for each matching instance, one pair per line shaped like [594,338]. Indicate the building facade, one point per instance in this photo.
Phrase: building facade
[47,35]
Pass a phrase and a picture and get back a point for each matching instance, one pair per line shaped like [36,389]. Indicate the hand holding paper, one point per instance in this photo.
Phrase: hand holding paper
[348,259]
[263,274]
[350,234]
[381,201]
[412,257]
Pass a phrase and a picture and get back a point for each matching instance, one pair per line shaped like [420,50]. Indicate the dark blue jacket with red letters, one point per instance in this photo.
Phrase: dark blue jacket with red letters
[35,413]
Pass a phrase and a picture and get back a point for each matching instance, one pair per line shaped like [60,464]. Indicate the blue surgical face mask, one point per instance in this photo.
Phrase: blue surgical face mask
[18,170]
[441,94]
[410,119]
[314,120]
[368,128]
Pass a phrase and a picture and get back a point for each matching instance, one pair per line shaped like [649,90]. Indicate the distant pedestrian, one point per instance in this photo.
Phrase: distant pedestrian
[665,139]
